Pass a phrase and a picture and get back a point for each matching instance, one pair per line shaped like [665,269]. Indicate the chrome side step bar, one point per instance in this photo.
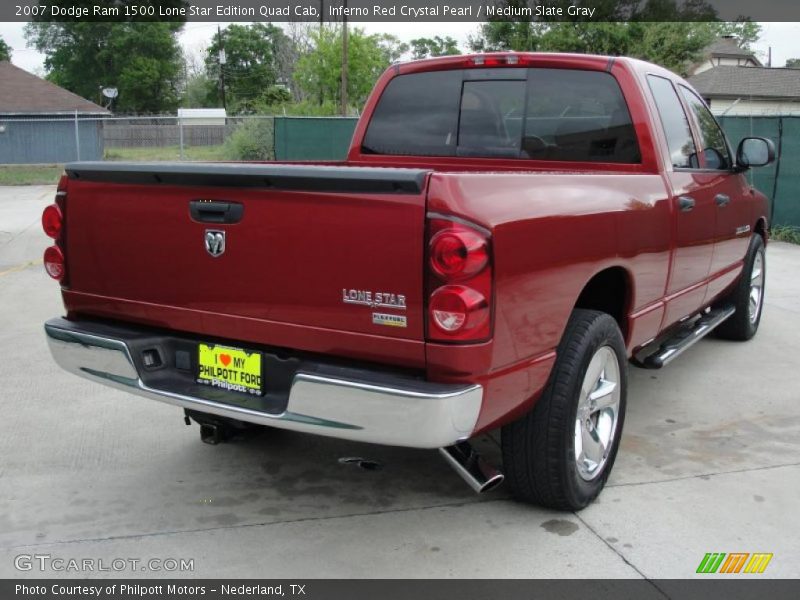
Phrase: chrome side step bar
[684,339]
[466,461]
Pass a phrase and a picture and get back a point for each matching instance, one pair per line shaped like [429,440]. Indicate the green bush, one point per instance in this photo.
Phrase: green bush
[254,139]
[785,233]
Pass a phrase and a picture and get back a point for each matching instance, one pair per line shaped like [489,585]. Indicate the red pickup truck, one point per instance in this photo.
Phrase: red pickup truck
[508,232]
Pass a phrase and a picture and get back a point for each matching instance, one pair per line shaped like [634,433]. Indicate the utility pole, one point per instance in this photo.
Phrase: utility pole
[321,25]
[222,61]
[344,59]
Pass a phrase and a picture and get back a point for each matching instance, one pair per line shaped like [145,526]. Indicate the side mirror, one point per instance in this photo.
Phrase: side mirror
[755,152]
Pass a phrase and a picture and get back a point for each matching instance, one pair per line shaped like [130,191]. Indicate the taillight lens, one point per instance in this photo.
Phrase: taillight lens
[54,263]
[52,220]
[53,224]
[459,282]
[456,308]
[458,254]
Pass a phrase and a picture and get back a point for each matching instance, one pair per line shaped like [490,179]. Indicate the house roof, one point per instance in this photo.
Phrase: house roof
[24,93]
[746,82]
[728,47]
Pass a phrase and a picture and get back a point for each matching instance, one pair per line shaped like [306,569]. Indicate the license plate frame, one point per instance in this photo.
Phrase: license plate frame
[230,368]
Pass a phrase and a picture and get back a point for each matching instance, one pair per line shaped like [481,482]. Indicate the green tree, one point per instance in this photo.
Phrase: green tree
[200,91]
[435,46]
[141,59]
[745,32]
[319,72]
[255,56]
[5,50]
[793,63]
[660,31]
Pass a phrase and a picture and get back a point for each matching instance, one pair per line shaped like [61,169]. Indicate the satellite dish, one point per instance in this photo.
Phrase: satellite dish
[110,92]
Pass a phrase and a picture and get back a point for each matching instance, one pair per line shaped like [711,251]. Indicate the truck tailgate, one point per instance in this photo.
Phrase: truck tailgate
[306,249]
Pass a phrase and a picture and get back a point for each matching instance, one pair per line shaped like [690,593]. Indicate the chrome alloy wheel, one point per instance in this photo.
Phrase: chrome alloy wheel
[756,286]
[597,414]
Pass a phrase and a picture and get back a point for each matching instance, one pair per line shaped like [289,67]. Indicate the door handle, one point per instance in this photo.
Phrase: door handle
[215,211]
[685,203]
[722,199]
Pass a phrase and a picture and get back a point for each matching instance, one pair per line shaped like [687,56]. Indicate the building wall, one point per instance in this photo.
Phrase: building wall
[747,107]
[42,140]
[723,62]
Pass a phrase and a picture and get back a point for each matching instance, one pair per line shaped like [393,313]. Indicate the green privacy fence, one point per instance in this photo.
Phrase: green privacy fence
[328,138]
[313,138]
[781,180]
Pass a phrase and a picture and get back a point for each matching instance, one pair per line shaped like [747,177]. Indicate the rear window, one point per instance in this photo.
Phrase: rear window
[544,114]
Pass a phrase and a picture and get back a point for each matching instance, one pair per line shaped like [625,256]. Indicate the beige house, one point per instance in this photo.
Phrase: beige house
[725,52]
[734,82]
[749,90]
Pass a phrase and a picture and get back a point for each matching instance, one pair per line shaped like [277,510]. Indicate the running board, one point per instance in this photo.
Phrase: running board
[684,339]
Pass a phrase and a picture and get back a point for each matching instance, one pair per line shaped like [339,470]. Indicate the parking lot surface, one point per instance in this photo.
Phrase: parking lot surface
[708,463]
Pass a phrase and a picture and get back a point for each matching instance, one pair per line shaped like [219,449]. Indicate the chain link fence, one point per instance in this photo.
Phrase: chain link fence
[173,138]
[64,138]
[57,139]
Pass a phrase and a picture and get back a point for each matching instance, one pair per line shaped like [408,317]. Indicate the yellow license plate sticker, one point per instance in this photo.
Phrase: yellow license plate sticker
[230,369]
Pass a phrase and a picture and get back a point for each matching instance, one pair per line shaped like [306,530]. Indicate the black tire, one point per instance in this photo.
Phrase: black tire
[539,449]
[740,326]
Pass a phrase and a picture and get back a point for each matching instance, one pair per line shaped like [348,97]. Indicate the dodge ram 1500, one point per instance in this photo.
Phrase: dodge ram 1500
[507,233]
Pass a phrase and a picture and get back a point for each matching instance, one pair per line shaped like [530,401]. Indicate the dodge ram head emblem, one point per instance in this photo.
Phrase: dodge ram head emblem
[215,242]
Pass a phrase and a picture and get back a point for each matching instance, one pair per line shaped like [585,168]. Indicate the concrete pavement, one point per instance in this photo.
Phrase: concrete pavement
[708,463]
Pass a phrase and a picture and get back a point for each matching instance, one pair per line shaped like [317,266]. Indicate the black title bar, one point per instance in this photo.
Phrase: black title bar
[398,10]
[734,588]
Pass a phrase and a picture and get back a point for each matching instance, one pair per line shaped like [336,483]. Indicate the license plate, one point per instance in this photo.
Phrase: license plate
[231,369]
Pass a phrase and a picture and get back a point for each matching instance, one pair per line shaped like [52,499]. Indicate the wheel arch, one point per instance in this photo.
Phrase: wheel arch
[610,291]
[761,228]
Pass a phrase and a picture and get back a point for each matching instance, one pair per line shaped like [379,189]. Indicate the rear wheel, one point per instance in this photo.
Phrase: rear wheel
[747,296]
[560,454]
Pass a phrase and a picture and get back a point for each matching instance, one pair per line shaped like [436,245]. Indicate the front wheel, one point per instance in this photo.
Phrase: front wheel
[748,295]
[560,454]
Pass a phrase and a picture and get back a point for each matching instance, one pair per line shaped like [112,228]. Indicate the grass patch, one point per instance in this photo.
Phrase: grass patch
[30,174]
[785,233]
[167,153]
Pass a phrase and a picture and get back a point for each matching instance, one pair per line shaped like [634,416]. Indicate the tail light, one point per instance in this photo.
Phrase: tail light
[53,226]
[458,254]
[52,220]
[459,281]
[54,263]
[501,59]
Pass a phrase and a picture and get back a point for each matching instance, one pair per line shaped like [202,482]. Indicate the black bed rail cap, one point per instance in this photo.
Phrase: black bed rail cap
[315,178]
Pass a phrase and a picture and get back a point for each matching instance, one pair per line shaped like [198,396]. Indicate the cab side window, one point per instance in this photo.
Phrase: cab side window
[715,148]
[682,151]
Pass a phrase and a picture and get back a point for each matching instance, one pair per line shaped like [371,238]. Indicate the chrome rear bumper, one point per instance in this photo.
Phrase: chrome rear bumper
[416,415]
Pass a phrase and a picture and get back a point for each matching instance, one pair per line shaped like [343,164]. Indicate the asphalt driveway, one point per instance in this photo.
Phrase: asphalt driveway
[709,463]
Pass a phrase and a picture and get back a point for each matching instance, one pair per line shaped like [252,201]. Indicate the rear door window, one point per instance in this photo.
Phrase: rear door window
[545,114]
[682,151]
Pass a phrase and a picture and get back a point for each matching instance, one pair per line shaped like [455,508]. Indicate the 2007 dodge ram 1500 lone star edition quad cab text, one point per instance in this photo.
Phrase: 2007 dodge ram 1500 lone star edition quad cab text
[507,232]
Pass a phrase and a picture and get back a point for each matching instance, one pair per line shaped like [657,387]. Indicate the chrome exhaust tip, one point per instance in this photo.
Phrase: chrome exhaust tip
[478,474]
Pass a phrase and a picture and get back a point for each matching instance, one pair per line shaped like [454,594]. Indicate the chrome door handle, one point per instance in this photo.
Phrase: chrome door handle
[685,203]
[722,199]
